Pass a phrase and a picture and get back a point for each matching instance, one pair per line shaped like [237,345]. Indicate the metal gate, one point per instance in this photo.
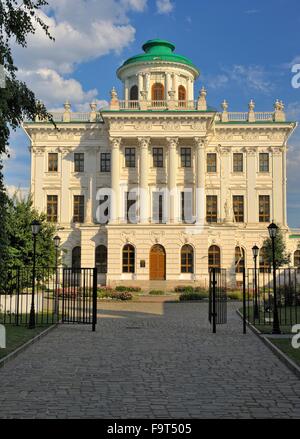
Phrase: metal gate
[78,303]
[217,310]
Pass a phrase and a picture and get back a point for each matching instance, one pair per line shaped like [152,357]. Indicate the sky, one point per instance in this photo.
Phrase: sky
[245,49]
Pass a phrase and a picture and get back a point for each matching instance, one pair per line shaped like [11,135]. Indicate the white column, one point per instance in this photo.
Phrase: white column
[115,178]
[168,85]
[278,186]
[140,82]
[147,86]
[175,86]
[144,143]
[172,171]
[126,89]
[200,180]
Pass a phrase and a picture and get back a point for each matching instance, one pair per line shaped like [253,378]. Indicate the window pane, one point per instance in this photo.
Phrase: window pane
[263,162]
[52,162]
[128,259]
[158,157]
[211,208]
[78,213]
[264,208]
[130,157]
[101,258]
[211,162]
[214,257]
[79,162]
[52,208]
[186,157]
[105,162]
[187,259]
[238,208]
[237,162]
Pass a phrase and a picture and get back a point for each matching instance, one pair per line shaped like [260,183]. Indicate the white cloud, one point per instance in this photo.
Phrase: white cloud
[20,192]
[164,6]
[252,11]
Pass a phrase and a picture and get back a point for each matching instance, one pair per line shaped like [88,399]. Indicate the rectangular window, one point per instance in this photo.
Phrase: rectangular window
[105,162]
[52,162]
[238,208]
[130,157]
[211,208]
[130,201]
[264,208]
[186,157]
[158,207]
[78,209]
[211,162]
[52,202]
[263,162]
[158,157]
[187,207]
[79,162]
[238,162]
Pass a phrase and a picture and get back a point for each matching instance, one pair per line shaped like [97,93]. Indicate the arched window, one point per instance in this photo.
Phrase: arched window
[128,259]
[187,259]
[134,93]
[101,258]
[239,259]
[297,258]
[76,257]
[214,257]
[264,265]
[181,96]
[158,92]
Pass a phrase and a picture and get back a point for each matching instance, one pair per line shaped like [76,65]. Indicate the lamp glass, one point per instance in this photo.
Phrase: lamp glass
[255,251]
[56,240]
[35,227]
[272,230]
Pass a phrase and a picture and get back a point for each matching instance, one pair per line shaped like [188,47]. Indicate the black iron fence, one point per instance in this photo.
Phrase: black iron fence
[65,295]
[260,297]
[217,308]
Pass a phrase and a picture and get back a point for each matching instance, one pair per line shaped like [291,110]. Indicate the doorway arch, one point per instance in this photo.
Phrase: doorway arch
[157,263]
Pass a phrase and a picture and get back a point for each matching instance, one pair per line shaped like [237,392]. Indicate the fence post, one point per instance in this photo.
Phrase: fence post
[244,301]
[94,322]
[18,297]
[214,302]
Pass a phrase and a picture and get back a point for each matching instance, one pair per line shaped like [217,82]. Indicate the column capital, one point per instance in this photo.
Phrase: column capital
[144,142]
[115,142]
[172,142]
[200,142]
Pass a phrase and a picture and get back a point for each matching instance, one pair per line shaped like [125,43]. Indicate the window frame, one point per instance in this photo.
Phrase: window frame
[239,215]
[130,157]
[214,257]
[158,157]
[78,161]
[105,162]
[240,161]
[50,162]
[128,259]
[79,208]
[212,214]
[52,217]
[186,158]
[262,162]
[211,168]
[187,259]
[264,217]
[101,265]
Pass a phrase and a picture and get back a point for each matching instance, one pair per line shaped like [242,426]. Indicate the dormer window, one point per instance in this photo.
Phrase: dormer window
[158,92]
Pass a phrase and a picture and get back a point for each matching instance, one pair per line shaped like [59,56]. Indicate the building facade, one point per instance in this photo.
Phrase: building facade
[158,187]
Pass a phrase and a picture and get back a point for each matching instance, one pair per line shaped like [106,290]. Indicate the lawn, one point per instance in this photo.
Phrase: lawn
[16,336]
[285,345]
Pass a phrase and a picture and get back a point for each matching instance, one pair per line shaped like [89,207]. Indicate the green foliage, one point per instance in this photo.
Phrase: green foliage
[235,295]
[131,289]
[19,253]
[185,297]
[110,294]
[281,255]
[184,289]
[156,293]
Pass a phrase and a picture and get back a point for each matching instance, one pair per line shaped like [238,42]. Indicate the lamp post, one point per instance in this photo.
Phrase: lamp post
[273,232]
[255,251]
[56,240]
[35,228]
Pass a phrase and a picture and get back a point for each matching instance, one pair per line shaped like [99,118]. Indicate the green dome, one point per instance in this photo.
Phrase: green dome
[159,50]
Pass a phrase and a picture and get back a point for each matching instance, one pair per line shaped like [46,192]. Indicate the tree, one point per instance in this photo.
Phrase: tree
[20,243]
[282,257]
[17,102]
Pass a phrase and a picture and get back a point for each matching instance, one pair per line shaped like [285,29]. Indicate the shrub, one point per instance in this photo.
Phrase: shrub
[184,289]
[121,288]
[184,297]
[202,292]
[156,293]
[235,295]
[117,295]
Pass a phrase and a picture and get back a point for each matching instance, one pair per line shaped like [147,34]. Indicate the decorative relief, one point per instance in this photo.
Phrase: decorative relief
[170,125]
[144,142]
[143,125]
[115,142]
[172,142]
[199,125]
[156,237]
[127,236]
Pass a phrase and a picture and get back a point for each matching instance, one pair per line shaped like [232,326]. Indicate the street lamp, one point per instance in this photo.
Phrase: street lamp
[56,240]
[255,251]
[273,232]
[35,228]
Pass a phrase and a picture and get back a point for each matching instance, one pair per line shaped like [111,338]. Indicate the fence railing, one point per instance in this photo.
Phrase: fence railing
[260,297]
[65,294]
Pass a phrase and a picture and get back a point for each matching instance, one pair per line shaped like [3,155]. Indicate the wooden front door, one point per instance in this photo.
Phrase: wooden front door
[157,263]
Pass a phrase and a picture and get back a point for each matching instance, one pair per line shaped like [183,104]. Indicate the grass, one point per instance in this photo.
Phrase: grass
[285,345]
[16,336]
